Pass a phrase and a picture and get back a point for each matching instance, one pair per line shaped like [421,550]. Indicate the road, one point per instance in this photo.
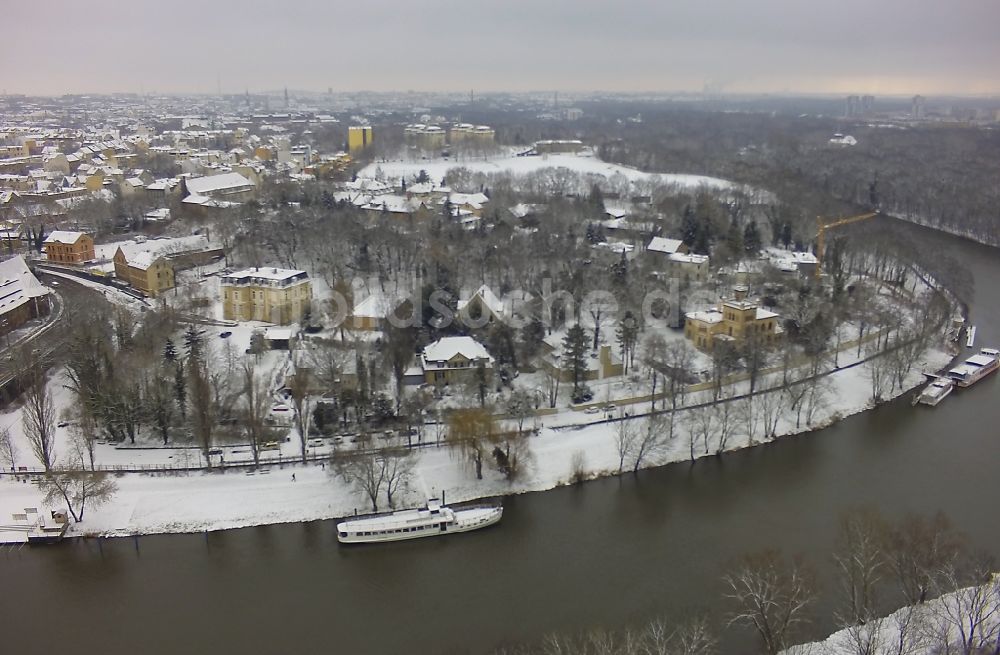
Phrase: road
[49,340]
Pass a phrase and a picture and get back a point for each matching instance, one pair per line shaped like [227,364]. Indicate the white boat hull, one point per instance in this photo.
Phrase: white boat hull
[416,524]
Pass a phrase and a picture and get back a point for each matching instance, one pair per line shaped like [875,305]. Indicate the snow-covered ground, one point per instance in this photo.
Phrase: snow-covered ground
[921,629]
[158,503]
[519,166]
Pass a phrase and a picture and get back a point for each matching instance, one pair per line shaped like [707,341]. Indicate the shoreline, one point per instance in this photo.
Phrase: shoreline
[213,501]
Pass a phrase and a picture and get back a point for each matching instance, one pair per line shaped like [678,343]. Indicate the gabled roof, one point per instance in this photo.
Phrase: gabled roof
[446,348]
[63,236]
[17,284]
[225,182]
[662,244]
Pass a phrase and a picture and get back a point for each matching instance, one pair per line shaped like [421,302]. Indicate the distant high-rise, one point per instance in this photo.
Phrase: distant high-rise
[359,137]
[867,104]
[852,106]
[917,109]
[286,97]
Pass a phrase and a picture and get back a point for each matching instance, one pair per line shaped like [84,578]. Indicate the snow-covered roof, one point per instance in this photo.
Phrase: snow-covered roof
[662,244]
[446,348]
[706,316]
[63,236]
[216,183]
[376,305]
[17,284]
[764,313]
[486,295]
[143,254]
[688,258]
[263,274]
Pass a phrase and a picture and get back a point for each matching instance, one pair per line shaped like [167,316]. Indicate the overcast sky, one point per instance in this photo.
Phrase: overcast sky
[837,46]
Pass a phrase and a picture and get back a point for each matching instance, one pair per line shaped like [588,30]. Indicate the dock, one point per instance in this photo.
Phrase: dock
[970,336]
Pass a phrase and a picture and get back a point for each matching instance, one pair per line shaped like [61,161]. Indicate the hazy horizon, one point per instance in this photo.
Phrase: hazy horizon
[770,46]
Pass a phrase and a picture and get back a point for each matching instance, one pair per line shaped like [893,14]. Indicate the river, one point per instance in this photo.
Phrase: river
[605,553]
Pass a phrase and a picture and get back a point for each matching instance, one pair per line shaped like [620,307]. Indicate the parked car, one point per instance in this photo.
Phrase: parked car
[225,335]
[592,410]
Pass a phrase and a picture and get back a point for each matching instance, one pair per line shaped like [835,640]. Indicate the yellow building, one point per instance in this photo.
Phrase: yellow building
[274,295]
[735,319]
[455,359]
[144,270]
[359,137]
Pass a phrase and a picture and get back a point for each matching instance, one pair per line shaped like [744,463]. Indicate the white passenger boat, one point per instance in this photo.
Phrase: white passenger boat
[936,391]
[430,521]
[976,367]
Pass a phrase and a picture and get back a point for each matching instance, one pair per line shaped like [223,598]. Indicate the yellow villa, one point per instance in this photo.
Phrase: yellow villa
[275,295]
[735,319]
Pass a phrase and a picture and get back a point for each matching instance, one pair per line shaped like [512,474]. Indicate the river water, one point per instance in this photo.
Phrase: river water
[606,553]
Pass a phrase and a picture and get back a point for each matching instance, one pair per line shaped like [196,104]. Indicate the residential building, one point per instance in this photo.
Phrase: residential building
[425,137]
[677,262]
[471,134]
[275,295]
[557,146]
[144,270]
[455,359]
[231,187]
[735,320]
[359,137]
[22,296]
[64,247]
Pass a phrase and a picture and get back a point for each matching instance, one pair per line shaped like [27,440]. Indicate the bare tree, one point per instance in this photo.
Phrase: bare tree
[39,416]
[771,596]
[918,549]
[771,405]
[861,567]
[8,449]
[364,471]
[254,412]
[972,609]
[701,423]
[727,425]
[302,407]
[748,412]
[624,441]
[650,442]
[77,488]
[397,466]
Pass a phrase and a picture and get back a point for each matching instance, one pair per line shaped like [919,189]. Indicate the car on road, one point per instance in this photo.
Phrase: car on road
[280,408]
[592,410]
[610,407]
[225,335]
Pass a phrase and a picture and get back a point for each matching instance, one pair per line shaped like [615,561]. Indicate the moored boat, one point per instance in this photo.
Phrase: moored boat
[430,521]
[936,391]
[976,367]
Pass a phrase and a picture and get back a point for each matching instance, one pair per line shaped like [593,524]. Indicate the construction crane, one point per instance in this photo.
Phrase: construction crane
[823,227]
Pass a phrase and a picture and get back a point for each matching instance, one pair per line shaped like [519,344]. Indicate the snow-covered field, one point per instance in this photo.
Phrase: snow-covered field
[160,503]
[520,166]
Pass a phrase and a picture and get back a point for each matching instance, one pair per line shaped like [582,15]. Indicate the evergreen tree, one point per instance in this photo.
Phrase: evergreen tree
[751,238]
[595,201]
[786,234]
[192,343]
[689,227]
[180,388]
[574,357]
[627,335]
[734,239]
[169,352]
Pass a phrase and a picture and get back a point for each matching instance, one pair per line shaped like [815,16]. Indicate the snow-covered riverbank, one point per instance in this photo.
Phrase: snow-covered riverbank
[166,503]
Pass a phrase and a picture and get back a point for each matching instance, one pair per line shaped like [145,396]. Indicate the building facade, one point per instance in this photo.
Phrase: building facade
[735,320]
[359,137]
[69,247]
[274,295]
